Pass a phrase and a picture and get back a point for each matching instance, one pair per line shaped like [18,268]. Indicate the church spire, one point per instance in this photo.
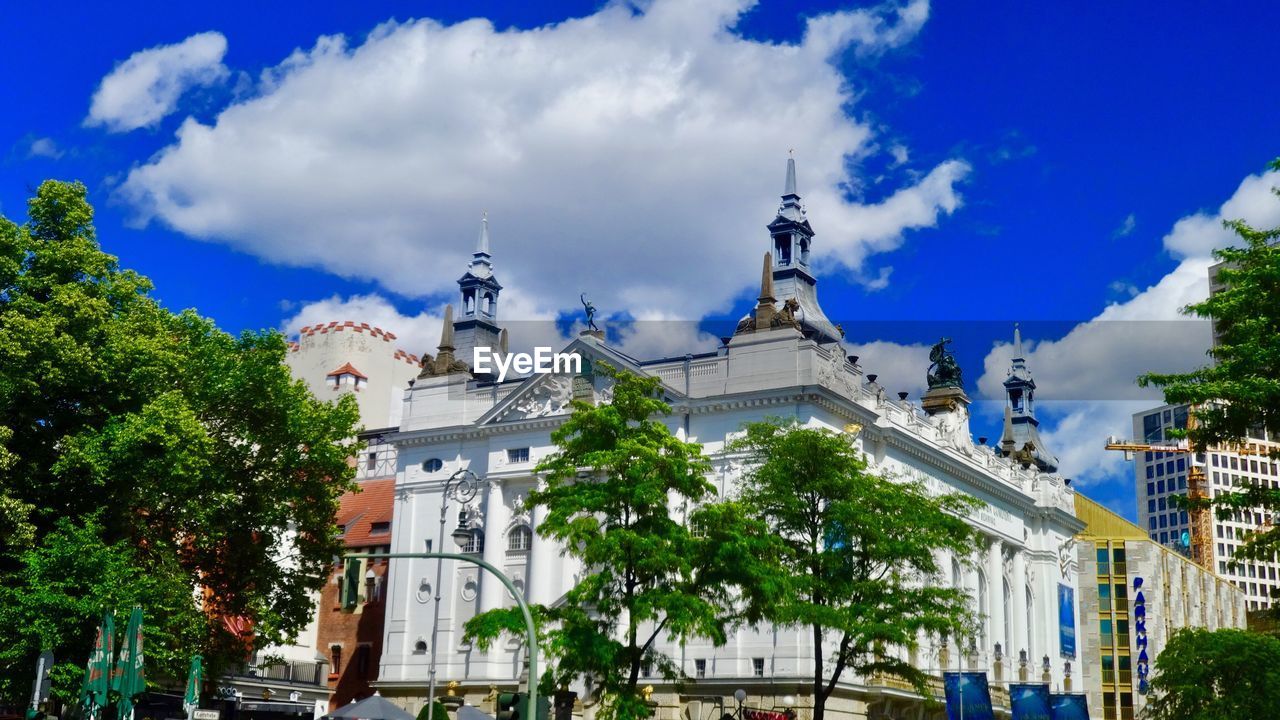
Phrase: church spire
[793,281]
[445,362]
[1021,428]
[477,324]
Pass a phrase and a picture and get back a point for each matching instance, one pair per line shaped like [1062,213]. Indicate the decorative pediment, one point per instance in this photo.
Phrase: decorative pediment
[549,395]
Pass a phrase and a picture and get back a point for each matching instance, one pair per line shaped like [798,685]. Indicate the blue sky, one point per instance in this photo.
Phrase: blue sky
[966,165]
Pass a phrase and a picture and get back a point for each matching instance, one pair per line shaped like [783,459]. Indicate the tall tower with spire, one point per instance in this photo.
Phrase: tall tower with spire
[477,324]
[1021,436]
[792,277]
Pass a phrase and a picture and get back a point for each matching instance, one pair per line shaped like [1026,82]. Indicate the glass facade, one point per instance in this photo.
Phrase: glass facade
[1113,631]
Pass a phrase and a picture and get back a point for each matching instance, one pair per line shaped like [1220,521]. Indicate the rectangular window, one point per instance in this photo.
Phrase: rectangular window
[1152,522]
[1184,517]
[1160,472]
[1182,482]
[1151,505]
[518,455]
[1162,504]
[1182,464]
[1235,462]
[1151,428]
[700,668]
[1104,564]
[1151,471]
[379,528]
[1104,598]
[1104,631]
[1253,466]
[1108,670]
[1164,521]
[757,667]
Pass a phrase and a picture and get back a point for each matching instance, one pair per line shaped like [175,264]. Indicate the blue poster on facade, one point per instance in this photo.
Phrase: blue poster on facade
[1067,620]
[1029,701]
[968,697]
[1068,706]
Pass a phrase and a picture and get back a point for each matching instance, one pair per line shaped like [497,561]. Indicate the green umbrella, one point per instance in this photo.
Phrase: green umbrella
[129,680]
[93,693]
[191,700]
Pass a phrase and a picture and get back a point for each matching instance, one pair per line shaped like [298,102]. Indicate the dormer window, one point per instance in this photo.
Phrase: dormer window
[347,376]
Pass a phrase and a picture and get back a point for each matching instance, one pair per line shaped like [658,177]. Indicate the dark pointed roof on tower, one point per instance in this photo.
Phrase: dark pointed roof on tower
[1021,435]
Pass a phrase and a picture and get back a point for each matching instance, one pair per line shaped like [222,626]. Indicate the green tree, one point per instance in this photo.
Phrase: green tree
[613,495]
[853,553]
[148,458]
[1216,675]
[1239,393]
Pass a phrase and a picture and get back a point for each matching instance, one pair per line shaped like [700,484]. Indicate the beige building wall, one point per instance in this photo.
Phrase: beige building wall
[323,350]
[1134,595]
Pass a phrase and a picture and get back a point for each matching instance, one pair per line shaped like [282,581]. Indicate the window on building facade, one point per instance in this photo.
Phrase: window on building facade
[699,668]
[757,667]
[518,455]
[335,656]
[520,538]
[475,543]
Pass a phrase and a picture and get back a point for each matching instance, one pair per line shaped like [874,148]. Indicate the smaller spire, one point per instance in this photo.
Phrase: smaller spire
[482,245]
[446,331]
[790,188]
[1017,343]
[1007,443]
[766,282]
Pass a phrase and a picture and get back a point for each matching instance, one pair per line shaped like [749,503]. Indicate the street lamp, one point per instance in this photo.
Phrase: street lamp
[465,484]
[740,695]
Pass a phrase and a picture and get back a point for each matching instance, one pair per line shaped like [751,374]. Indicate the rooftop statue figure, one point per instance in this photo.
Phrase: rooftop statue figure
[591,312]
[944,372]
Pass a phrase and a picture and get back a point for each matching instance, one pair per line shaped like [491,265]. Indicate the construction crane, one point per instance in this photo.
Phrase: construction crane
[1197,489]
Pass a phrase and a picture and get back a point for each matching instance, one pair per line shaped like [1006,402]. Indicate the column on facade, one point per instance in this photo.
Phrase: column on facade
[545,567]
[970,573]
[496,518]
[995,597]
[1021,633]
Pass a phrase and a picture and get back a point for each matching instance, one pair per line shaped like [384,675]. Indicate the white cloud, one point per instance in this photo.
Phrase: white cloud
[44,147]
[145,88]
[1086,379]
[634,154]
[1126,227]
[897,367]
[414,333]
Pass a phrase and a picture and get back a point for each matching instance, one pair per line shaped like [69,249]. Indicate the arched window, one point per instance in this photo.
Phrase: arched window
[519,539]
[475,543]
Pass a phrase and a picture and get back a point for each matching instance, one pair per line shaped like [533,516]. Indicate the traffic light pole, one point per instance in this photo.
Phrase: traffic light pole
[531,640]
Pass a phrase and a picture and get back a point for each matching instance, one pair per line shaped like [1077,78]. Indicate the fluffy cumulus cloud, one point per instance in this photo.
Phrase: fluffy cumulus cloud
[414,333]
[635,154]
[1086,378]
[145,88]
[45,148]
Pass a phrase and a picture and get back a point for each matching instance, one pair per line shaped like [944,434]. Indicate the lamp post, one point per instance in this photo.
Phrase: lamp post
[740,695]
[466,485]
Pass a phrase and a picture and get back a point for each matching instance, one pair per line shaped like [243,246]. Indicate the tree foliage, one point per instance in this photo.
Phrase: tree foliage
[147,457]
[1216,675]
[614,493]
[1239,393]
[852,554]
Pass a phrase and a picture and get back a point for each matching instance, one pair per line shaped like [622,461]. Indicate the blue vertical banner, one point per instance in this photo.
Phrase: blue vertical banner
[1067,620]
[1029,701]
[968,697]
[1068,706]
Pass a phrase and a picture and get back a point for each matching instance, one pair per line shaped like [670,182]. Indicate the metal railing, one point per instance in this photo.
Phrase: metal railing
[297,672]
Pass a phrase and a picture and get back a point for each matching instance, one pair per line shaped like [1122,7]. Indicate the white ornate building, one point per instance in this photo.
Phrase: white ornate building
[786,359]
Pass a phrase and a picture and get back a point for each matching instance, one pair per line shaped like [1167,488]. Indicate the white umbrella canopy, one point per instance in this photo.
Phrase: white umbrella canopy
[374,707]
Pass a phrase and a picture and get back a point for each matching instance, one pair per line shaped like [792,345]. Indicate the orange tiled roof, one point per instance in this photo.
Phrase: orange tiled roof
[358,511]
[348,369]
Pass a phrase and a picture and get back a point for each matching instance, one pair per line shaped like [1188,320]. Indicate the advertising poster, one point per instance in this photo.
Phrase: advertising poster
[1067,620]
[1068,706]
[1029,701]
[968,697]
